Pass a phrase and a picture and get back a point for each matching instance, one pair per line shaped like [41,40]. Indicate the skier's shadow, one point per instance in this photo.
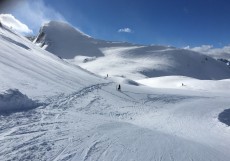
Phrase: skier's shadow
[123,92]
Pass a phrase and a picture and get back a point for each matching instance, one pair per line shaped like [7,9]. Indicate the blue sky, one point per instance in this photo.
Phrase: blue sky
[167,22]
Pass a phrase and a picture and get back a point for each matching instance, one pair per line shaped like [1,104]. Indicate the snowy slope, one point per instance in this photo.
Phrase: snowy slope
[34,71]
[125,59]
[85,118]
[99,123]
[154,61]
[217,53]
[181,82]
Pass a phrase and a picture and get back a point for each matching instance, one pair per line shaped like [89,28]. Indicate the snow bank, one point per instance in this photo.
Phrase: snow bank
[14,100]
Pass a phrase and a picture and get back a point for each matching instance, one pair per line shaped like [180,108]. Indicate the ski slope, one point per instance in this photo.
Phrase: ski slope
[182,82]
[99,123]
[83,117]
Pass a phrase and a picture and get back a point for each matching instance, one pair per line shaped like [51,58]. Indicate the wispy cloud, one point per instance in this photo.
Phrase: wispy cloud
[10,21]
[126,30]
[35,13]
[211,51]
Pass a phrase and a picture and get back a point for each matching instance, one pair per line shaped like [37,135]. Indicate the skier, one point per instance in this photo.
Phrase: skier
[119,87]
[107,75]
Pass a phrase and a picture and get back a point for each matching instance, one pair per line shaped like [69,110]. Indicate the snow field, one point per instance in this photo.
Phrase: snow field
[85,118]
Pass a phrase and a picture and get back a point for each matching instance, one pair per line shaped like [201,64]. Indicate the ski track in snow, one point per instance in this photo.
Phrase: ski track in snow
[77,127]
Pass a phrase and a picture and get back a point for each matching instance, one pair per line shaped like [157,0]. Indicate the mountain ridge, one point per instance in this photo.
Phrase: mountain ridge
[127,60]
[76,42]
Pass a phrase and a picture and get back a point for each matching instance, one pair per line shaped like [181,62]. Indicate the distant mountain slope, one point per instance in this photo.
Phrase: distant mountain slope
[126,59]
[155,61]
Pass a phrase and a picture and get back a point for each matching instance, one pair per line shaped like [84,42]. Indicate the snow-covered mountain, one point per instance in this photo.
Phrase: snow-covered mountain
[53,110]
[67,42]
[124,59]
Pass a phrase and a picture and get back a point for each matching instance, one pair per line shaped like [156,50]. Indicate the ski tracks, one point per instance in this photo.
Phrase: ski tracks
[60,153]
[65,102]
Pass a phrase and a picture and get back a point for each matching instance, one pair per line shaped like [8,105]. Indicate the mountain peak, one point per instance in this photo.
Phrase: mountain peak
[65,40]
[61,25]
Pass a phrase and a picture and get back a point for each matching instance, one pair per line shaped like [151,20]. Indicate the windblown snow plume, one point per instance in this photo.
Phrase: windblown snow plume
[14,100]
[11,22]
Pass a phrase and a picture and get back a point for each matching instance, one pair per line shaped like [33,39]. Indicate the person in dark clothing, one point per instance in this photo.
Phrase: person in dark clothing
[119,87]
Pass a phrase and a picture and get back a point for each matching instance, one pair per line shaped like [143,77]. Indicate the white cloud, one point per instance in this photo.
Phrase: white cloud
[203,48]
[211,51]
[126,30]
[10,21]
[35,13]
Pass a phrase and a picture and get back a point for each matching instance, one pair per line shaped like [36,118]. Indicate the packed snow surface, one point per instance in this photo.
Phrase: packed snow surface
[85,118]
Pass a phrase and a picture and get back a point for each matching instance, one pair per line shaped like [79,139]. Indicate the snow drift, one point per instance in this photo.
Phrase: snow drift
[13,100]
